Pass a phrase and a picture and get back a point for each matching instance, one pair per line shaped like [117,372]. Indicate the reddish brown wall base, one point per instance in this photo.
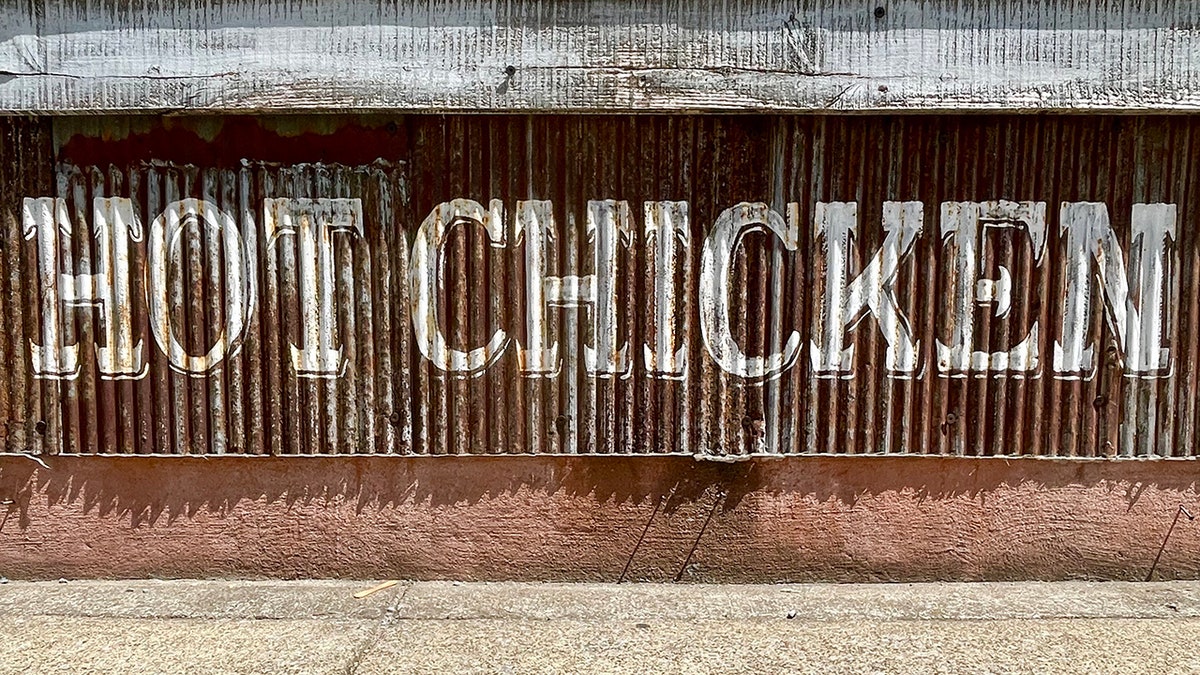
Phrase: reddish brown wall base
[816,518]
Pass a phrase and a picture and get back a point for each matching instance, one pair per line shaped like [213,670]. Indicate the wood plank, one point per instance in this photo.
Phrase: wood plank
[601,55]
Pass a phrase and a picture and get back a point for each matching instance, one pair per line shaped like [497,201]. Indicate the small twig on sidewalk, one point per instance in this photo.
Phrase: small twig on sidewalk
[711,512]
[1182,510]
[375,589]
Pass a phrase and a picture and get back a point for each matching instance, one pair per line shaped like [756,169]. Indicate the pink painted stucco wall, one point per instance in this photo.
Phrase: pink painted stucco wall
[554,518]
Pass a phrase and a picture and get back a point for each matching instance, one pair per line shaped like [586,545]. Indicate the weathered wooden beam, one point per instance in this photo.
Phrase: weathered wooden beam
[75,56]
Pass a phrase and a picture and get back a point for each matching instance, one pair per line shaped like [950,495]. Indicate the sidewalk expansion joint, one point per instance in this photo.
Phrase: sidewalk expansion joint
[385,622]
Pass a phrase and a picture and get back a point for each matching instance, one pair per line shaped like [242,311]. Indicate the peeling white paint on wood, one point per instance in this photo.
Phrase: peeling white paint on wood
[615,55]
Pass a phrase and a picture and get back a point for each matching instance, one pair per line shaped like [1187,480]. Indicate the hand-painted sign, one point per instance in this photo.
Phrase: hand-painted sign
[972,285]
[1135,299]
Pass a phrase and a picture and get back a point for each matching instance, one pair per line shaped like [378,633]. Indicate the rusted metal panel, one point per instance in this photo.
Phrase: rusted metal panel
[24,148]
[716,286]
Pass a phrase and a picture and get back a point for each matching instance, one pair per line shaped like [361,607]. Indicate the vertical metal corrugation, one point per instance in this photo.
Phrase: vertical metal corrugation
[1115,160]
[253,400]
[391,399]
[29,419]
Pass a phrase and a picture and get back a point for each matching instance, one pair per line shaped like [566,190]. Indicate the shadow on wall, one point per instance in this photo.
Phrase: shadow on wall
[159,490]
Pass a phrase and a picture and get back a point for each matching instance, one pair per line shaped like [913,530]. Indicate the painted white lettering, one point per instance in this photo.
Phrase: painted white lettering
[534,225]
[314,222]
[114,225]
[716,264]
[164,250]
[1139,331]
[966,228]
[668,235]
[844,303]
[425,282]
[609,225]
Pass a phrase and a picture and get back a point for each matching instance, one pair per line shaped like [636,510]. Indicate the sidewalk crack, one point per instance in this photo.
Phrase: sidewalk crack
[386,621]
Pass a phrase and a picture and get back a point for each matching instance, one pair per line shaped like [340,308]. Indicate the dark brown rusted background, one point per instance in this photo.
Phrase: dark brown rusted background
[393,401]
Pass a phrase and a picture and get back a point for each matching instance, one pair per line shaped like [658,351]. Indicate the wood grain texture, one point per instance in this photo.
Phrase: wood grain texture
[599,55]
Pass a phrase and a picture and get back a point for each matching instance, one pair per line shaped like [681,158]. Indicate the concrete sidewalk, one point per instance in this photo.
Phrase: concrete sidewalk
[443,627]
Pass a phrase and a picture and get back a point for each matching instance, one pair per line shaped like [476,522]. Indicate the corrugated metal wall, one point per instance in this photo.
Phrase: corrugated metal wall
[387,397]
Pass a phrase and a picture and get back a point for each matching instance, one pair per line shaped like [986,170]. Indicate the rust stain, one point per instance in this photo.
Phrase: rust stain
[194,140]
[712,286]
